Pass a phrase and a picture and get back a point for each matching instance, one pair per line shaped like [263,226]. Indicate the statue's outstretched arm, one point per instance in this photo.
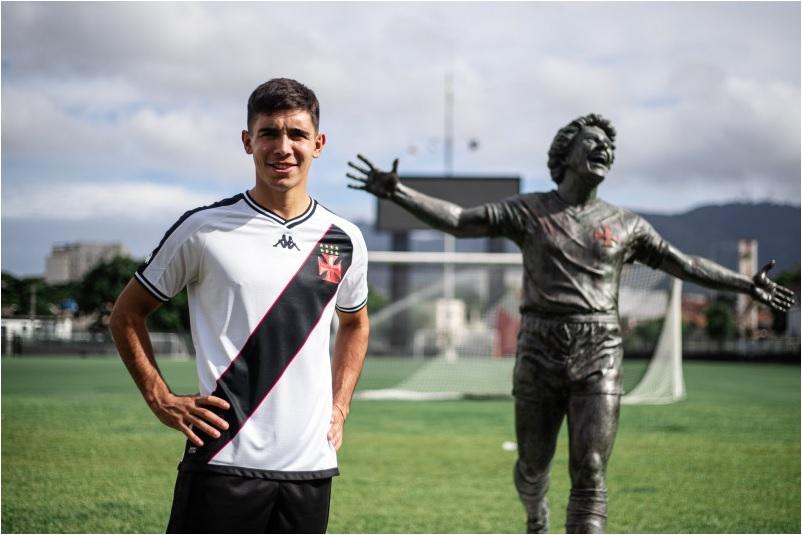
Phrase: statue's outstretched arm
[440,214]
[708,273]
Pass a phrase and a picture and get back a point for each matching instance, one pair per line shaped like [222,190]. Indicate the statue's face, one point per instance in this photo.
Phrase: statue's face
[591,154]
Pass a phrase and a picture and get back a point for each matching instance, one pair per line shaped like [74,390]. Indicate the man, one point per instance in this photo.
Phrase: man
[264,270]
[568,361]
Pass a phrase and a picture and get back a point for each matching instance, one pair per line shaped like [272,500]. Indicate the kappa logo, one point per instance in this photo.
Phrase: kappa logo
[286,243]
[328,266]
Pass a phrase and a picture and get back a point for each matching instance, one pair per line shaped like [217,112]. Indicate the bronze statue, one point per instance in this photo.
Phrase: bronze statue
[568,361]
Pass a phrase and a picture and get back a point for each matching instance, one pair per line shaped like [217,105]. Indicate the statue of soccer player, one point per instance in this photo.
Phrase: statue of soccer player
[569,354]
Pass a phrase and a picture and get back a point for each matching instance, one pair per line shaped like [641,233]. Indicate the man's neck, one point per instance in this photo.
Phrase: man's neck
[576,191]
[287,204]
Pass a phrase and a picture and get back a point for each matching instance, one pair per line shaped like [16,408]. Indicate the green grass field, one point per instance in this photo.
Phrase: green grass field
[82,453]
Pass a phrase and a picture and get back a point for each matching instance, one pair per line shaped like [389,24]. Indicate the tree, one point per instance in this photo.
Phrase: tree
[720,320]
[20,293]
[376,300]
[101,286]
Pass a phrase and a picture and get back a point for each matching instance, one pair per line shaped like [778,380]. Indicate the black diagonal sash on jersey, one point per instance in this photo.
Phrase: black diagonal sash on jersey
[278,338]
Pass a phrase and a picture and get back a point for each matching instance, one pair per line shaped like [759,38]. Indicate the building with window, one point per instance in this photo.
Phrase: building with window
[69,262]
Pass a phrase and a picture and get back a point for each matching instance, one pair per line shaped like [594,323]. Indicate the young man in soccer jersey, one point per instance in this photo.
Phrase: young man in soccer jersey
[265,271]
[568,361]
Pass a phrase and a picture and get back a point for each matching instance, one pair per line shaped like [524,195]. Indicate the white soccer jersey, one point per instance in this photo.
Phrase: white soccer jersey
[262,291]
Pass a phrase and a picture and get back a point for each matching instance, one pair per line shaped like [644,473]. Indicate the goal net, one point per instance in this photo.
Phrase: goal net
[465,343]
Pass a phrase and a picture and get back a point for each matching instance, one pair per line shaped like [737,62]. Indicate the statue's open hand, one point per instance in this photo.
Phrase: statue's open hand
[380,183]
[769,292]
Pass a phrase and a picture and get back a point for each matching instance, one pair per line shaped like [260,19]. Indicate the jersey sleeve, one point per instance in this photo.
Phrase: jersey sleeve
[507,217]
[353,292]
[648,247]
[174,263]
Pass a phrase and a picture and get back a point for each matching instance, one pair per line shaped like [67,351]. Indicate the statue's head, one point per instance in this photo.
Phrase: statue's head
[586,145]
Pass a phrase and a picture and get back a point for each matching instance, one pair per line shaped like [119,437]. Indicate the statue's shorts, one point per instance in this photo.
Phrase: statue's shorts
[568,355]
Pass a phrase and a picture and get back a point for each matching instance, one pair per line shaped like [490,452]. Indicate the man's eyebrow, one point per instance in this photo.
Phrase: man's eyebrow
[275,130]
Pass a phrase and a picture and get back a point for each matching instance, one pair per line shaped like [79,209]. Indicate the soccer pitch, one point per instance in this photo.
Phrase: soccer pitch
[82,453]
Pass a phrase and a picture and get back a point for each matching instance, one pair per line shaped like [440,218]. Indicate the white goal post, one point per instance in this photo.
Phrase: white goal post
[467,368]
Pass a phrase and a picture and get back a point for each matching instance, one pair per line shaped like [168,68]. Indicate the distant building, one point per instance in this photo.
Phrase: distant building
[694,308]
[69,262]
[746,313]
[38,326]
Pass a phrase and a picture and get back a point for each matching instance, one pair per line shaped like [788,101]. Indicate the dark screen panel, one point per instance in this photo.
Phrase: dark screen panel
[461,190]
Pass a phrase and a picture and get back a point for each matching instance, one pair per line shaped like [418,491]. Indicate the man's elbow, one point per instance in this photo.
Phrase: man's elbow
[358,325]
[124,315]
[361,327]
[118,318]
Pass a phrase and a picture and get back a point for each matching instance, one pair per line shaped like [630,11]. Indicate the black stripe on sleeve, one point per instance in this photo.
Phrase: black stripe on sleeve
[150,287]
[224,202]
[356,308]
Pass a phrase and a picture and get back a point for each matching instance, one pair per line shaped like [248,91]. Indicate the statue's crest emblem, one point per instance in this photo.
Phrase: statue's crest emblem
[605,235]
[328,264]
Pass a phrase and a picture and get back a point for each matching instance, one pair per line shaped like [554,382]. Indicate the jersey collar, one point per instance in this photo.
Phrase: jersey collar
[289,223]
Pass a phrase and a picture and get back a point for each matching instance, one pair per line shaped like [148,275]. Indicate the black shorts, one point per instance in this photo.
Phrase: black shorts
[577,357]
[209,502]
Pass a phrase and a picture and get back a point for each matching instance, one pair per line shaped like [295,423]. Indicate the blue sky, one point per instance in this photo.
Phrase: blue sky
[118,117]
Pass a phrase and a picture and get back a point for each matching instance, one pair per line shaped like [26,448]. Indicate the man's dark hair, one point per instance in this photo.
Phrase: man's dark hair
[561,146]
[280,94]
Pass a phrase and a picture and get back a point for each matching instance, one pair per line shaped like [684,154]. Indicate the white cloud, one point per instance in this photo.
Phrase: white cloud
[93,201]
[565,83]
[120,94]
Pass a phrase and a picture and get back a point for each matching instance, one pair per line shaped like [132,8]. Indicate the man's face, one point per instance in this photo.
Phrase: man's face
[591,154]
[283,145]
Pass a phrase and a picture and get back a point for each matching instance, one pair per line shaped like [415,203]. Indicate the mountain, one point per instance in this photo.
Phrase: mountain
[714,231]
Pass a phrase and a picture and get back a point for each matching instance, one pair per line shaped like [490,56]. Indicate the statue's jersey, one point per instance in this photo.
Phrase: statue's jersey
[573,255]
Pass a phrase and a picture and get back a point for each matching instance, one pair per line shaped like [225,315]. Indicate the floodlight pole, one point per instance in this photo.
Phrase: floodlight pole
[448,145]
[449,242]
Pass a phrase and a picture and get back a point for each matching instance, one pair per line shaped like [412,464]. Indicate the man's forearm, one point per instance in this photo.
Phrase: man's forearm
[350,348]
[133,344]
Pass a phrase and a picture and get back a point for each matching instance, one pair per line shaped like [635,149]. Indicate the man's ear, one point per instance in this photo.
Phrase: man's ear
[320,141]
[246,142]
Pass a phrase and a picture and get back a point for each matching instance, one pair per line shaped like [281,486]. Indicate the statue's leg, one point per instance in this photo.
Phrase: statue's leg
[537,425]
[541,399]
[592,424]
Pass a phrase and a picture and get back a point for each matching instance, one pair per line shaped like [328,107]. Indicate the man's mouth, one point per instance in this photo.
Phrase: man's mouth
[281,166]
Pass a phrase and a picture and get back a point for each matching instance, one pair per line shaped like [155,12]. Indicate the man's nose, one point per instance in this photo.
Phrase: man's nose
[282,145]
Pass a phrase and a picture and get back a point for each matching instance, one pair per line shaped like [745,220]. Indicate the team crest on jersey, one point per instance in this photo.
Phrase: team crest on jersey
[605,235]
[329,266]
[286,243]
